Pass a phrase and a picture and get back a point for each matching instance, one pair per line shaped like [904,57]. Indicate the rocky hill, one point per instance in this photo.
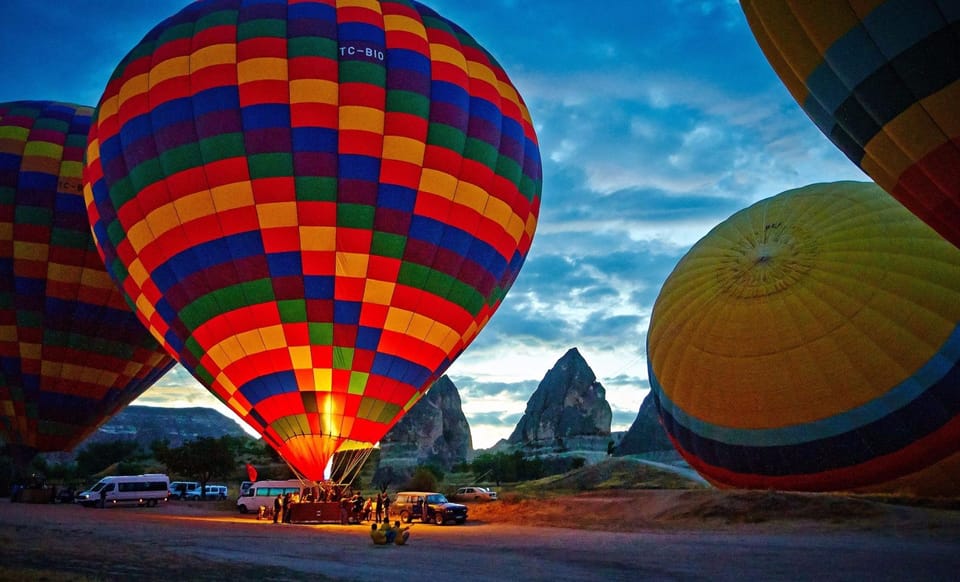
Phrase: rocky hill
[434,432]
[567,415]
[145,424]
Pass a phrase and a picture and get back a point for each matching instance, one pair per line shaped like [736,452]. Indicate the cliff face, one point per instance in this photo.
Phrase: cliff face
[568,403]
[435,431]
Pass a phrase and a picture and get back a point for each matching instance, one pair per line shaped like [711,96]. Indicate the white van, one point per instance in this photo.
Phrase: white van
[264,492]
[140,489]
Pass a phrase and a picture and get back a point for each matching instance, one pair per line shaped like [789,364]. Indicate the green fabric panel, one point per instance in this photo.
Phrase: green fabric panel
[226,299]
[260,28]
[408,102]
[70,239]
[446,136]
[386,244]
[219,18]
[146,174]
[481,151]
[311,46]
[32,215]
[441,284]
[292,310]
[355,216]
[358,382]
[222,147]
[509,169]
[29,319]
[363,72]
[178,32]
[58,125]
[316,189]
[321,334]
[194,347]
[270,165]
[342,358]
[121,192]
[180,158]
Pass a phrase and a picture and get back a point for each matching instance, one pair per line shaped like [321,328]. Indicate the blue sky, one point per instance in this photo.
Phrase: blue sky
[657,120]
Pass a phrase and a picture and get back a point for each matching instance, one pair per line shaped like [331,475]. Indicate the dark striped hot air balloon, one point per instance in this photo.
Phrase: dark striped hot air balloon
[315,206]
[72,353]
[881,79]
[811,342]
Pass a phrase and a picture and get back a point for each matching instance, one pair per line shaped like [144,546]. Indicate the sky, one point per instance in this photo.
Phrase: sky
[657,120]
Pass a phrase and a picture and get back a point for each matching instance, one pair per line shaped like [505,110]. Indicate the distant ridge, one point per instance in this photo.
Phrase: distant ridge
[145,424]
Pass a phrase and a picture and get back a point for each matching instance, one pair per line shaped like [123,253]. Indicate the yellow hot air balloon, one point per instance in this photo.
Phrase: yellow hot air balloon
[881,79]
[811,342]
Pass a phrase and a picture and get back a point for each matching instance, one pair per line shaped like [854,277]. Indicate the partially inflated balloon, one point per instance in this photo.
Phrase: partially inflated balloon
[315,206]
[882,80]
[72,353]
[811,342]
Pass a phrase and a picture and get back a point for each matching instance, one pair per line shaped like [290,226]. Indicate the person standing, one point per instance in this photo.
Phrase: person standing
[278,508]
[386,507]
[379,510]
[287,505]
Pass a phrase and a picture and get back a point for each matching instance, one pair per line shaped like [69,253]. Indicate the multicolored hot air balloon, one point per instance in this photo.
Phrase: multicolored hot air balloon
[881,79]
[315,206]
[72,353]
[811,342]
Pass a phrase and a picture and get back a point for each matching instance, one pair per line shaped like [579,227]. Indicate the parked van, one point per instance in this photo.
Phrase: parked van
[139,489]
[210,492]
[264,492]
[184,489]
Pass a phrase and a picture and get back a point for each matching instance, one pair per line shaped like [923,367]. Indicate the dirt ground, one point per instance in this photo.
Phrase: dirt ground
[610,535]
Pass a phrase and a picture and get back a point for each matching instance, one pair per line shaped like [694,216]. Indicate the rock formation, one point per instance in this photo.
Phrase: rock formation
[434,432]
[568,403]
[646,434]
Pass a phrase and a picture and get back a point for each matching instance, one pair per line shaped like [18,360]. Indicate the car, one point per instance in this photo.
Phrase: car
[474,493]
[184,489]
[427,506]
[210,492]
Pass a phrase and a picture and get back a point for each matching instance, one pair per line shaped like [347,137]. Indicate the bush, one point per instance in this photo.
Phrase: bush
[423,479]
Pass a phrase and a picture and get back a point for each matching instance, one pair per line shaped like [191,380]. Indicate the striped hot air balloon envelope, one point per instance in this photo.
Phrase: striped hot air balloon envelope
[881,79]
[72,353]
[810,342]
[315,206]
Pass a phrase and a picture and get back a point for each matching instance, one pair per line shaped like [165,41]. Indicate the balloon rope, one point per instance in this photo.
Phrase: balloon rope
[297,474]
[348,464]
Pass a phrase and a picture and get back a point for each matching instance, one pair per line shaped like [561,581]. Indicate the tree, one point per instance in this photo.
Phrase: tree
[202,459]
[96,457]
[423,479]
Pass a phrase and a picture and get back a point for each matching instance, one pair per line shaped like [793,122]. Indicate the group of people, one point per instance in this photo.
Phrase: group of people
[379,506]
[282,505]
[353,508]
[385,534]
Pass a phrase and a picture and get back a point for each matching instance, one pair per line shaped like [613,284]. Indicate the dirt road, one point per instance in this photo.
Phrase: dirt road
[189,542]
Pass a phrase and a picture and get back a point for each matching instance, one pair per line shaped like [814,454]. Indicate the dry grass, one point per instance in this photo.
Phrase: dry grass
[612,473]
[625,495]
